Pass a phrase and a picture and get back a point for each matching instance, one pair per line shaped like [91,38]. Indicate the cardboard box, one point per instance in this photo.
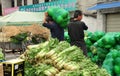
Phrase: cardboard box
[14,67]
[1,69]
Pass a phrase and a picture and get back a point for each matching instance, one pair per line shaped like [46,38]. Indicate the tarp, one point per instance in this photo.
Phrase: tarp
[105,5]
[20,17]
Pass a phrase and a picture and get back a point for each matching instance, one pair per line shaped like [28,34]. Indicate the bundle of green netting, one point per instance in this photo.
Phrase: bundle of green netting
[112,62]
[105,51]
[99,44]
[54,58]
[96,53]
[60,15]
[66,36]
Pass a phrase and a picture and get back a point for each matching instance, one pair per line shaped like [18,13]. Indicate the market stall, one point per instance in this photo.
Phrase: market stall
[18,37]
[16,23]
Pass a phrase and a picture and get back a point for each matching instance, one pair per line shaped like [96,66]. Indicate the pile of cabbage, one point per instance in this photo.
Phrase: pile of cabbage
[54,58]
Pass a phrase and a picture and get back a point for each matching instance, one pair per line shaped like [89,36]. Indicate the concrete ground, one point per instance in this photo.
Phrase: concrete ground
[10,55]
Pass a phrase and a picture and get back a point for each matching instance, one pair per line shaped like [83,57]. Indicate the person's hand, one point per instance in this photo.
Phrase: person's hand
[46,14]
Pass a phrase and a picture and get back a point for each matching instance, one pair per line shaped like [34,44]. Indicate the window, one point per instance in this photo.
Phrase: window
[54,0]
[25,2]
[0,9]
[19,2]
[35,1]
[12,3]
[46,0]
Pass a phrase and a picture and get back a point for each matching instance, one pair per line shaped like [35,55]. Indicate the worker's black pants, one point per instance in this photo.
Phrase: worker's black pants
[80,44]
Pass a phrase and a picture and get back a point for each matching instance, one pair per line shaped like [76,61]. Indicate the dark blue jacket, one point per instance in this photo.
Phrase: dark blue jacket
[56,30]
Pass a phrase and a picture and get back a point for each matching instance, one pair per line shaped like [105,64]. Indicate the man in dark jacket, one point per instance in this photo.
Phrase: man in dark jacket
[76,31]
[55,29]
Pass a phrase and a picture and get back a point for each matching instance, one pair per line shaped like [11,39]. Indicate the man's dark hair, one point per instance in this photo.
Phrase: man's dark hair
[77,13]
[49,18]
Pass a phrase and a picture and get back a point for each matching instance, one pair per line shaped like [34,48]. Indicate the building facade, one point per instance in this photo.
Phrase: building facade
[17,3]
[108,19]
[0,8]
[89,17]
